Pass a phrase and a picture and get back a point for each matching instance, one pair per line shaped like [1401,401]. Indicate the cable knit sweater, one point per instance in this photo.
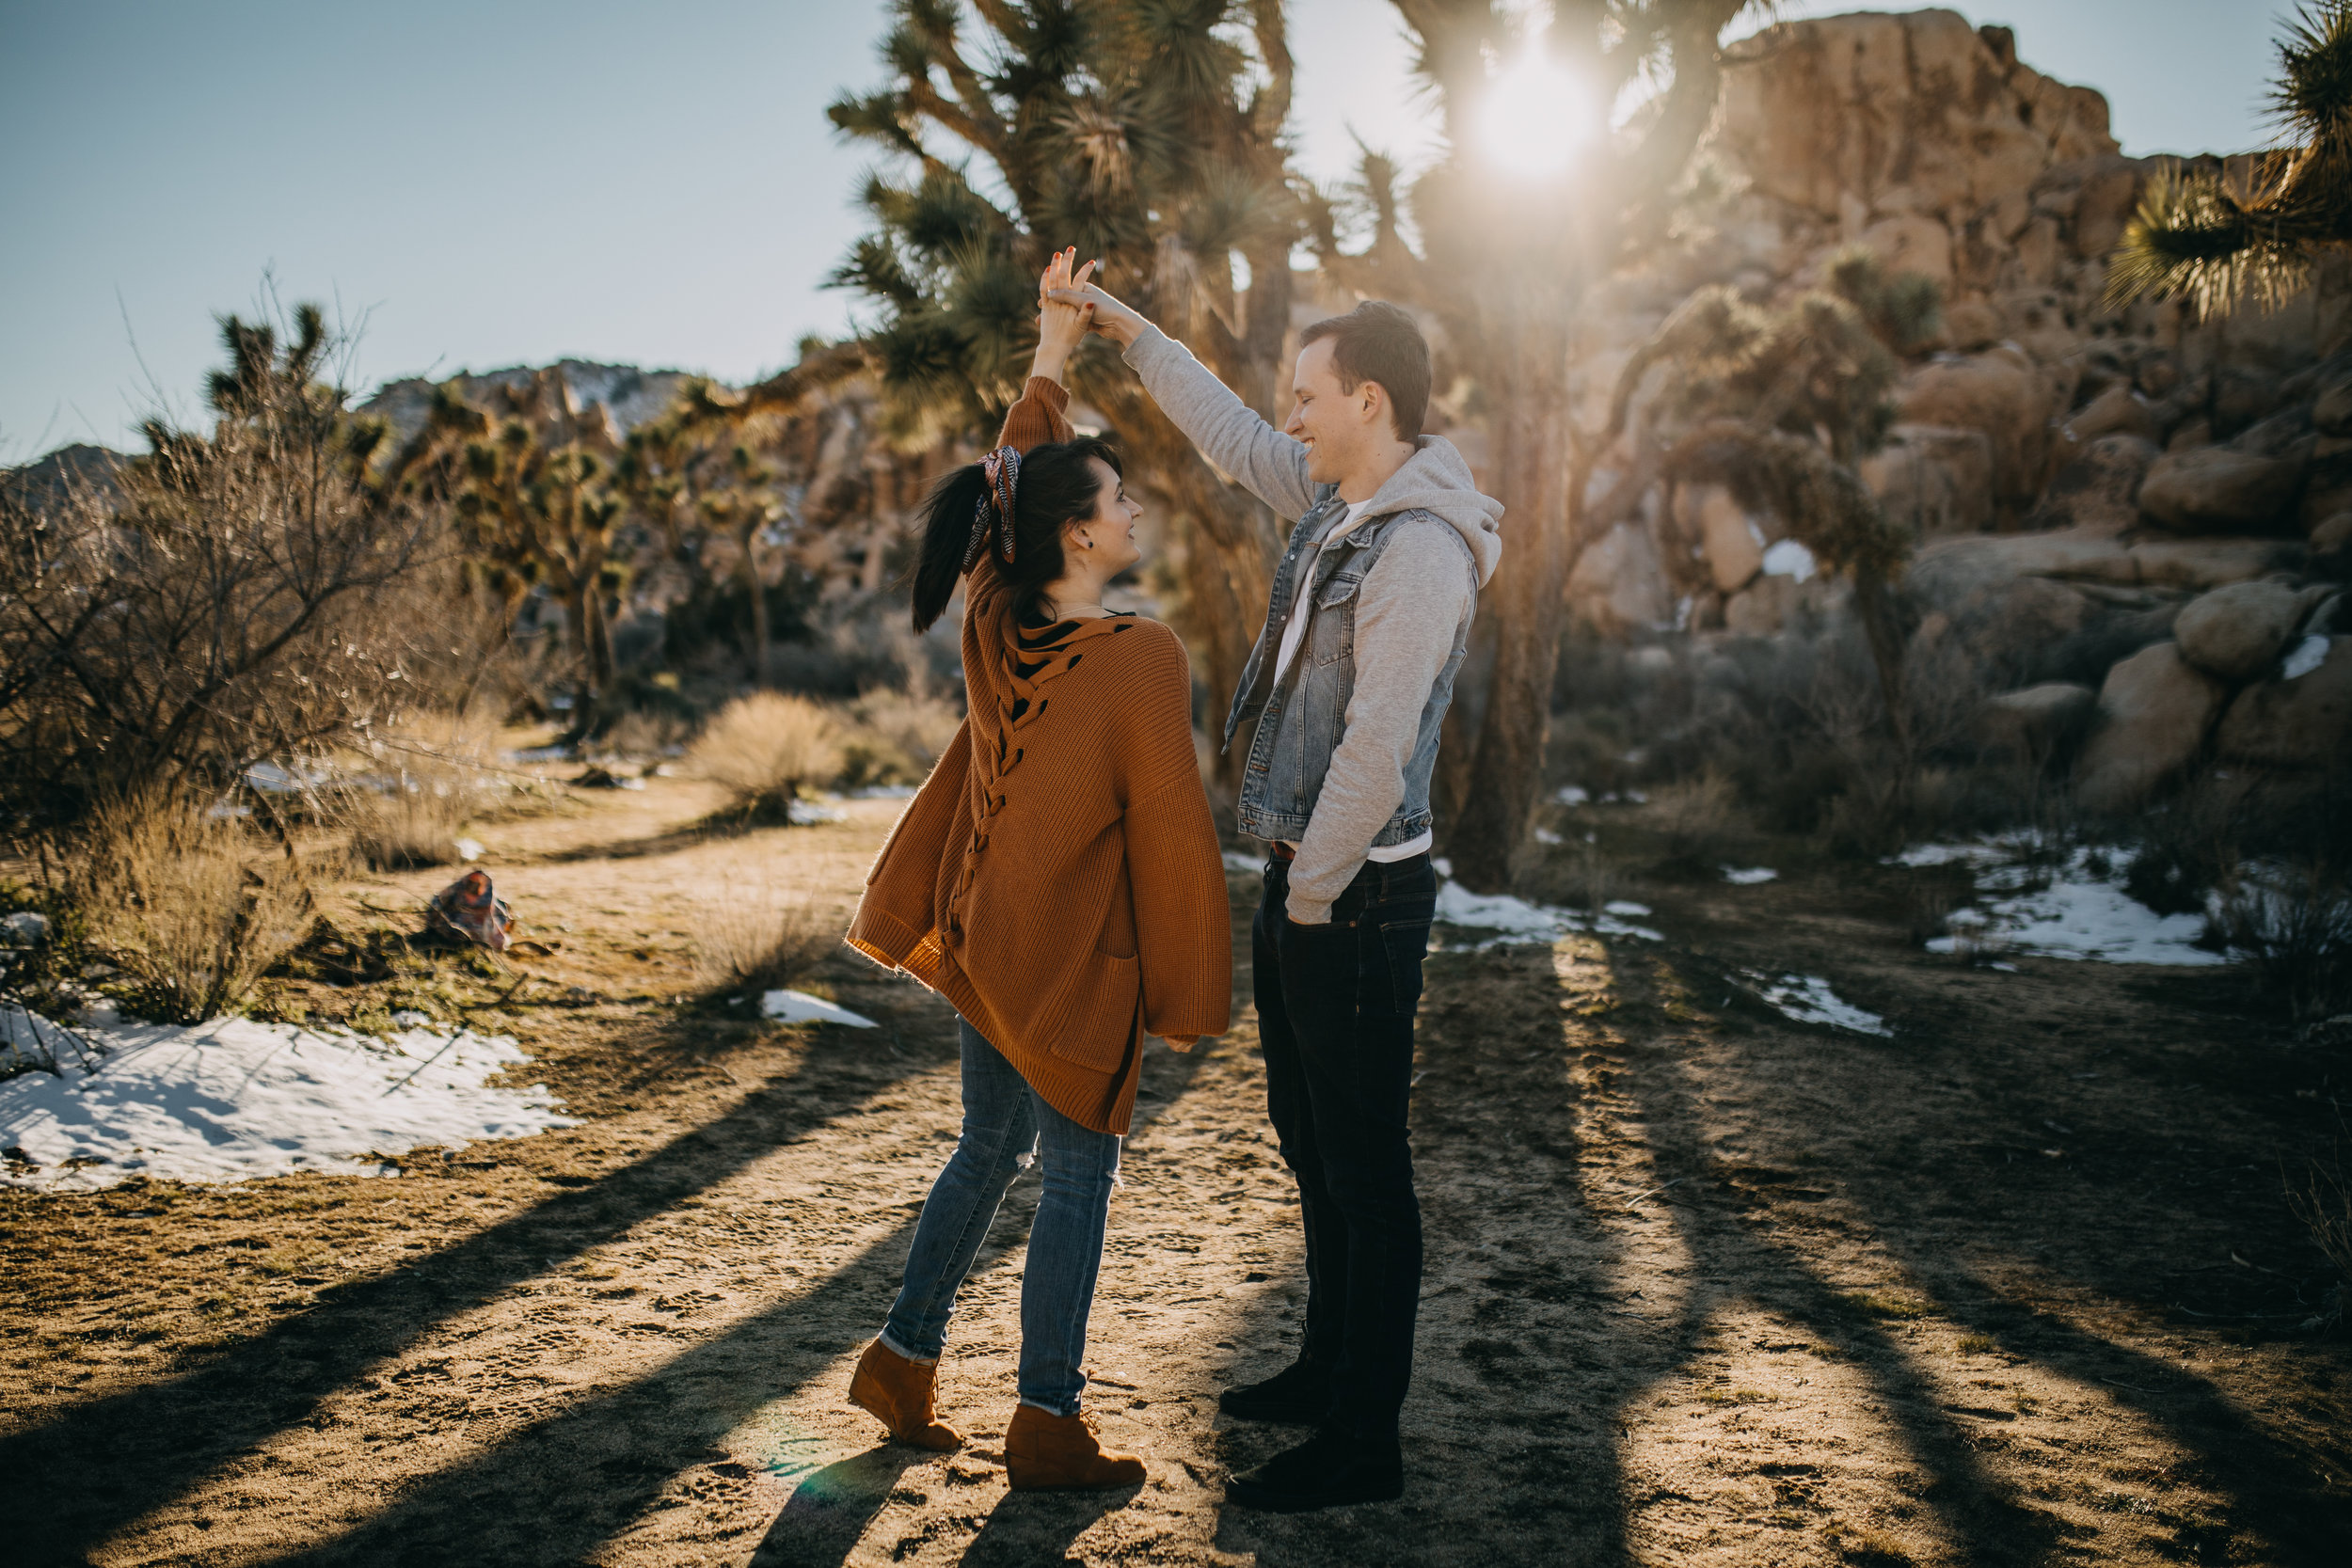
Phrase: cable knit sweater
[1057,876]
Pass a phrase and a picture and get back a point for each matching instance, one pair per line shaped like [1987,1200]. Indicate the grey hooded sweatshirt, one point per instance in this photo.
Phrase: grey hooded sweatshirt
[1409,610]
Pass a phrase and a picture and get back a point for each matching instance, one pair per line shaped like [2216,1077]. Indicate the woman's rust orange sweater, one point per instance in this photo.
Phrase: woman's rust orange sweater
[1057,876]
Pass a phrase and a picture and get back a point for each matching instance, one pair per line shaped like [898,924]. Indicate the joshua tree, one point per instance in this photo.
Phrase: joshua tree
[1148,134]
[2215,234]
[1781,404]
[1507,256]
[538,507]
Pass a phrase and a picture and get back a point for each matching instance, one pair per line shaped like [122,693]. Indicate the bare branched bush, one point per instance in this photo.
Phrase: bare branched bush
[2292,925]
[190,903]
[764,748]
[751,943]
[2323,1202]
[226,598]
[897,737]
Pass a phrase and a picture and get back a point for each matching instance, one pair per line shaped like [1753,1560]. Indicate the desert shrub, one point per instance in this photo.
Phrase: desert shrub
[2291,925]
[190,903]
[2323,1202]
[251,592]
[746,943]
[1699,817]
[424,781]
[764,748]
[1576,875]
[896,737]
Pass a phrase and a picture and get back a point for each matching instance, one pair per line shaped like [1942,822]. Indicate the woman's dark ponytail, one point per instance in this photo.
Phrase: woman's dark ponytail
[1058,487]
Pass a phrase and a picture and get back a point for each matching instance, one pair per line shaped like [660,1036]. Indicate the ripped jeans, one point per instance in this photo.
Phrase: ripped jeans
[1004,1121]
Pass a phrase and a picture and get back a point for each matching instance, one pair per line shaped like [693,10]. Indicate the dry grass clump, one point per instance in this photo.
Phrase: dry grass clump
[1699,817]
[897,738]
[764,748]
[433,776]
[748,943]
[191,904]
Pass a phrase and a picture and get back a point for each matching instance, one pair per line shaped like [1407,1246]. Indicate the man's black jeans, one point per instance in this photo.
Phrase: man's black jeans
[1335,1012]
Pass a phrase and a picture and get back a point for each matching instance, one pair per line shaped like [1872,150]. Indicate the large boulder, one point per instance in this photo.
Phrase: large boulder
[2301,722]
[2154,711]
[2331,541]
[2036,722]
[1935,479]
[2223,489]
[2098,488]
[1618,585]
[1999,393]
[2238,632]
[1733,542]
[2120,410]
[1918,112]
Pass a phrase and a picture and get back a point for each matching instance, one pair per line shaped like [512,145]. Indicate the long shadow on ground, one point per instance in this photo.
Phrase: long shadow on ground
[551,1492]
[1909,1186]
[98,1467]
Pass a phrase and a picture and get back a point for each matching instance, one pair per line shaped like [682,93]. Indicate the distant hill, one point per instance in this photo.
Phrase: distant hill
[47,480]
[634,395]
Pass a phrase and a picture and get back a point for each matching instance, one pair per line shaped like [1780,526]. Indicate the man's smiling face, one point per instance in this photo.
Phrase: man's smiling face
[1327,421]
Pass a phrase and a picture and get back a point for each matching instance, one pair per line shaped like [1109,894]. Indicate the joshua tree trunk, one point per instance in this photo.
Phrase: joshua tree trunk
[1525,602]
[747,550]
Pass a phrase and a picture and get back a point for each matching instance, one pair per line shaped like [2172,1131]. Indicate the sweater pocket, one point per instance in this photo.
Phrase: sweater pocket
[1098,1022]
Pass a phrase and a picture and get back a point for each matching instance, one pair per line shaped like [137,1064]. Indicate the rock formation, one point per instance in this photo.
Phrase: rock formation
[2083,485]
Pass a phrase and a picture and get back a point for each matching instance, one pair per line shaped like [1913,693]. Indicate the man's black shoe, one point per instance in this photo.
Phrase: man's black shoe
[1298,1395]
[1329,1470]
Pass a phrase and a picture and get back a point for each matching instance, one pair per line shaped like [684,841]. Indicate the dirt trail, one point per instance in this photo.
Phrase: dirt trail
[1704,1286]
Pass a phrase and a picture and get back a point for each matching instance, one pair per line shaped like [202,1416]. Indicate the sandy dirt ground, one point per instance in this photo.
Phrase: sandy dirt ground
[1704,1287]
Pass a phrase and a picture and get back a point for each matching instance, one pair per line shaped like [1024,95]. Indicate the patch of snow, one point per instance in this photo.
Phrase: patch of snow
[802,814]
[1248,866]
[271,778]
[2069,911]
[1625,906]
[1808,998]
[1443,866]
[876,792]
[540,754]
[1517,922]
[1924,855]
[470,850]
[798,1006]
[2308,655]
[1749,877]
[1545,835]
[408,1018]
[1572,795]
[1790,558]
[232,1100]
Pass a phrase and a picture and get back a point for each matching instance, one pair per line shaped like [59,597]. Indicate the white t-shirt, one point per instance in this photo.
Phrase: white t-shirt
[1294,633]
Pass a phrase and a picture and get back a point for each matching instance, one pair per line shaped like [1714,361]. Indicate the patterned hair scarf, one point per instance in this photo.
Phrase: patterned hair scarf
[1001,469]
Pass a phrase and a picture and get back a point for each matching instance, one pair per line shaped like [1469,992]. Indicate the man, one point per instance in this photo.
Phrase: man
[1349,681]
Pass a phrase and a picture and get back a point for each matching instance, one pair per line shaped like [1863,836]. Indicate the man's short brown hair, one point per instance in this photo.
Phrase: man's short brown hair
[1379,341]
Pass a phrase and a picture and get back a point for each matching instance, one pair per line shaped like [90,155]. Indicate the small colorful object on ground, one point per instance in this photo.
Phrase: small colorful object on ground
[470,910]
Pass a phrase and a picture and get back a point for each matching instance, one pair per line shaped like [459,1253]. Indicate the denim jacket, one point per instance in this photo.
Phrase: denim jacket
[1301,721]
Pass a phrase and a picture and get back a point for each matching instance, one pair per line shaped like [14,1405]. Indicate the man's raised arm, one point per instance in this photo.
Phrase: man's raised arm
[1228,431]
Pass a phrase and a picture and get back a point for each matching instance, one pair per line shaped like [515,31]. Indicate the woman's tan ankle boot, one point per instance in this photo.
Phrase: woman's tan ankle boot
[897,1392]
[1047,1452]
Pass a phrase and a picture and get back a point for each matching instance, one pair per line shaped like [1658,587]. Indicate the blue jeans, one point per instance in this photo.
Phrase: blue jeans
[1334,1015]
[1003,1122]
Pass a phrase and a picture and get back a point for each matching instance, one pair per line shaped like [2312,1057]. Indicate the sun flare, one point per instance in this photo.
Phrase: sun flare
[1535,116]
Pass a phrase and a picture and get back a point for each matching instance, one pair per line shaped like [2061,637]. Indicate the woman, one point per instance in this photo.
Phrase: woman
[1057,878]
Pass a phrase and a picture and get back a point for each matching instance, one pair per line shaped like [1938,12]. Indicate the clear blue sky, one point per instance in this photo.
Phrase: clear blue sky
[517,181]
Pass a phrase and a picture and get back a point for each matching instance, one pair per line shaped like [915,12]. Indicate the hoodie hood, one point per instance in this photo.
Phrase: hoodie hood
[1436,479]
